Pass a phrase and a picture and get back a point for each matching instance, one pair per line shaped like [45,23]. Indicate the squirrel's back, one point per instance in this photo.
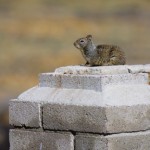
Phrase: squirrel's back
[112,54]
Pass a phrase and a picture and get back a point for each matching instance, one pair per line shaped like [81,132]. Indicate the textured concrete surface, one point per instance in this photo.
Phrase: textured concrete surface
[50,79]
[96,119]
[138,68]
[67,109]
[112,95]
[90,142]
[31,140]
[124,79]
[126,95]
[24,114]
[44,95]
[99,100]
[81,82]
[80,70]
[123,141]
[128,118]
[147,68]
[129,141]
[90,82]
[122,108]
[76,118]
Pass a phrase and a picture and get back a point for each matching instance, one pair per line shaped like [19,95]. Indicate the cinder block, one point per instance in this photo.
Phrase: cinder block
[74,117]
[136,68]
[126,95]
[118,103]
[81,82]
[34,140]
[70,81]
[50,80]
[23,113]
[122,141]
[129,141]
[99,70]
[128,118]
[44,95]
[105,70]
[90,82]
[122,79]
[127,108]
[147,68]
[76,70]
[149,78]
[113,70]
[90,142]
[99,100]
[139,68]
[95,82]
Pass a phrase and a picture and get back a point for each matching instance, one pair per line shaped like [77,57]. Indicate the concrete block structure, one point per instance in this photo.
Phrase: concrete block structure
[84,108]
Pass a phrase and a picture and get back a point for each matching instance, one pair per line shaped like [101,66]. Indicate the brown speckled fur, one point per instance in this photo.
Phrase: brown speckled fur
[100,55]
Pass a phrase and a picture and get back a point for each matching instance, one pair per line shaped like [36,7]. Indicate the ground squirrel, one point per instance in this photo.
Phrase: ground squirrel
[100,55]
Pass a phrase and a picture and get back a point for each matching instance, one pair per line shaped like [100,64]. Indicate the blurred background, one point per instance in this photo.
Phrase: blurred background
[37,36]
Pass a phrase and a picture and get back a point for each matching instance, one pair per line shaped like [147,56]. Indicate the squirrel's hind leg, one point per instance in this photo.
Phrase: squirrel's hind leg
[114,61]
[88,64]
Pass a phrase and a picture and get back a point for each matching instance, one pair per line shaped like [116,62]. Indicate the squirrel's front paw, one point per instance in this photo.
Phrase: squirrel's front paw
[88,65]
[82,65]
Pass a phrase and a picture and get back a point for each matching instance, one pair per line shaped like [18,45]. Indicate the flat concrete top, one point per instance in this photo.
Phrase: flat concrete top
[116,95]
[81,85]
[120,69]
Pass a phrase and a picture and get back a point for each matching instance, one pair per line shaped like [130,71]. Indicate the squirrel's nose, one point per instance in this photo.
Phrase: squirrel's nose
[76,45]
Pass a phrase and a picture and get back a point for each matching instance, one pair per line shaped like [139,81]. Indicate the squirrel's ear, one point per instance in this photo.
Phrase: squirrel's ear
[89,37]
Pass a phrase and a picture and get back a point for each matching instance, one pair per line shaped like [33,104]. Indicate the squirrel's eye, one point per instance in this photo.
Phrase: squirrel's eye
[81,41]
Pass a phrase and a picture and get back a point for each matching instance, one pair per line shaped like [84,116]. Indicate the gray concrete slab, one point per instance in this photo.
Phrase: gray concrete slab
[72,109]
[103,70]
[90,142]
[123,141]
[90,82]
[74,118]
[23,113]
[35,140]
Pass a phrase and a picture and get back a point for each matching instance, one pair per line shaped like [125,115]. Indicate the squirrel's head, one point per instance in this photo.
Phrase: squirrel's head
[83,42]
